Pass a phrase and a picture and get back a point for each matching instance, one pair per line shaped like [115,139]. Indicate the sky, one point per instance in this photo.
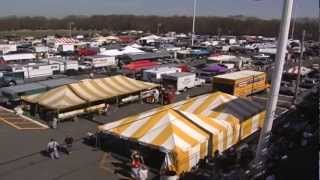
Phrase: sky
[266,9]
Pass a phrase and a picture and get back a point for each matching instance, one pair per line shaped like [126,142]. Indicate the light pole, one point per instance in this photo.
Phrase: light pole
[293,20]
[319,25]
[194,21]
[70,29]
[276,78]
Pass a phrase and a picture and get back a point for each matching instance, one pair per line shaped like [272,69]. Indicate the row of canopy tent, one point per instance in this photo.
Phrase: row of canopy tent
[189,130]
[124,51]
[87,91]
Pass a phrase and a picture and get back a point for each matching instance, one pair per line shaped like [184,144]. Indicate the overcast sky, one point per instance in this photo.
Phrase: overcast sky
[59,8]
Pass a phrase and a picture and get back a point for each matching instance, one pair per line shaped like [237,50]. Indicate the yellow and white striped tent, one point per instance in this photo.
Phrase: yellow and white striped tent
[58,98]
[224,132]
[88,91]
[168,130]
[250,114]
[198,123]
[104,88]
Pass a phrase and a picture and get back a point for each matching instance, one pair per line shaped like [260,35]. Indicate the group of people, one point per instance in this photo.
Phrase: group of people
[139,170]
[231,164]
[53,147]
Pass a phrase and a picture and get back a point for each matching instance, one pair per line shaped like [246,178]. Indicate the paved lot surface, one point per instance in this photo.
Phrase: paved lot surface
[21,157]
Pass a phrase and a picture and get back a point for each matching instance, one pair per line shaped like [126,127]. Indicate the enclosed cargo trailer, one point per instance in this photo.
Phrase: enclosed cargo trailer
[241,83]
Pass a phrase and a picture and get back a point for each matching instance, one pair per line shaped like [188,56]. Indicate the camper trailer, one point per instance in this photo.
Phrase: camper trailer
[96,62]
[33,70]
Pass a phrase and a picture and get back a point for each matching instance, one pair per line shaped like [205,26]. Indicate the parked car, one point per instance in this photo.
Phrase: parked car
[308,83]
[207,76]
[287,88]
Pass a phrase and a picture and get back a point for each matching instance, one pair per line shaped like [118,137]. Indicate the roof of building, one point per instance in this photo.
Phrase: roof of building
[180,74]
[12,57]
[23,88]
[157,55]
[52,83]
[162,69]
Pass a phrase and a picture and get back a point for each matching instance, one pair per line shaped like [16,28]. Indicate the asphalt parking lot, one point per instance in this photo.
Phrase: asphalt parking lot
[21,157]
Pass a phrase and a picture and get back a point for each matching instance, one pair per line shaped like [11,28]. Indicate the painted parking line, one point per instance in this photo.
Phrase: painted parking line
[106,164]
[9,123]
[20,122]
[103,163]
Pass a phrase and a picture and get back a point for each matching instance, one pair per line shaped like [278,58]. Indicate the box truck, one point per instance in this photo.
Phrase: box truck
[181,81]
[155,74]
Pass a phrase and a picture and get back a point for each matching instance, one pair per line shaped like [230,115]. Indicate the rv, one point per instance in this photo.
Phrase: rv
[155,74]
[181,80]
[96,62]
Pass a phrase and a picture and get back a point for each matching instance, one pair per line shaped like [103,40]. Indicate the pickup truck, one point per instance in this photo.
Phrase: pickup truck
[199,82]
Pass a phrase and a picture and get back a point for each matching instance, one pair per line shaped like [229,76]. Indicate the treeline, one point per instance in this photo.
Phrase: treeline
[236,25]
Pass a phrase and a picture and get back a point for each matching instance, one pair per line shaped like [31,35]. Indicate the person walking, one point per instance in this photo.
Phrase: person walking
[68,141]
[52,149]
[156,95]
[107,109]
[143,173]
[136,163]
[91,75]
[54,123]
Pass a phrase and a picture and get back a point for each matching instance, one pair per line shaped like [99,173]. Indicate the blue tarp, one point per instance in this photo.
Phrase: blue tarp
[200,52]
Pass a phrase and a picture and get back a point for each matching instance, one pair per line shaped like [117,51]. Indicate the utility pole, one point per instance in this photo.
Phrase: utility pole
[299,67]
[194,22]
[276,78]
